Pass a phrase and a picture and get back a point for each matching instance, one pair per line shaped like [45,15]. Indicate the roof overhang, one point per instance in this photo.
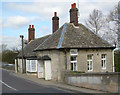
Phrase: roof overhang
[45,57]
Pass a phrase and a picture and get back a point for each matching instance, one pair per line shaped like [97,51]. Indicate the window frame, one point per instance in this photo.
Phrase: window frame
[33,64]
[29,67]
[89,62]
[75,61]
[73,54]
[104,61]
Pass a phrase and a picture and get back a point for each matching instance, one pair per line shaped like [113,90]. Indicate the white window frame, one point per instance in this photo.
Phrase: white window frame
[74,53]
[35,64]
[104,61]
[29,66]
[75,61]
[88,62]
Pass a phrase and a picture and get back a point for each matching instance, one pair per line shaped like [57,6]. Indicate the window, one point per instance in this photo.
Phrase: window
[31,66]
[27,65]
[73,58]
[103,61]
[90,62]
[73,52]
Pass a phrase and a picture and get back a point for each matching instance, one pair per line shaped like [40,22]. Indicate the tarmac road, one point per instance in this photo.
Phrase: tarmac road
[13,84]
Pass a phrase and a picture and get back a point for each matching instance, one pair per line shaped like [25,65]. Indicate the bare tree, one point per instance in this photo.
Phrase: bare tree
[95,21]
[3,47]
[114,18]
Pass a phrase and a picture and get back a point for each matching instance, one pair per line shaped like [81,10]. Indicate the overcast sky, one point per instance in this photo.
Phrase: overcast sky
[17,15]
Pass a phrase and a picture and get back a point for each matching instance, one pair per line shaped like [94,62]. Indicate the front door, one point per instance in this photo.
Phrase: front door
[40,69]
[47,70]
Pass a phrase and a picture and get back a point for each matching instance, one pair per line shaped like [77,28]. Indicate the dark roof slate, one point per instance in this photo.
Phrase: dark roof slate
[70,36]
[28,49]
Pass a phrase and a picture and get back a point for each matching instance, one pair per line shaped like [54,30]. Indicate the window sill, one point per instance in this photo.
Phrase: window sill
[103,68]
[73,54]
[90,70]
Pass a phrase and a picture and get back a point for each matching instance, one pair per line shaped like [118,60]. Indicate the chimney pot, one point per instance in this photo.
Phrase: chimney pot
[74,15]
[32,26]
[55,22]
[74,5]
[55,13]
[29,26]
[31,33]
[71,5]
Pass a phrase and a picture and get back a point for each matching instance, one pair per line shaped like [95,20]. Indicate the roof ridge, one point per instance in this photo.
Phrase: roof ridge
[42,37]
[62,36]
[47,38]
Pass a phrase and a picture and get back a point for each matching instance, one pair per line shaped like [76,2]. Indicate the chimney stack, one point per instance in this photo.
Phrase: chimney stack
[55,22]
[74,14]
[31,33]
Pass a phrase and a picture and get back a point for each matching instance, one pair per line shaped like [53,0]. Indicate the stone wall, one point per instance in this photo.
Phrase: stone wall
[57,63]
[100,81]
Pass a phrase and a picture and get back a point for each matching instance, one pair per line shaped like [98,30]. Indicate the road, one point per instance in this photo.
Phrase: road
[13,84]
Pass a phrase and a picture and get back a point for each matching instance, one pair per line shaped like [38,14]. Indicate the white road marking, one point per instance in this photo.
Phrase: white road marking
[8,85]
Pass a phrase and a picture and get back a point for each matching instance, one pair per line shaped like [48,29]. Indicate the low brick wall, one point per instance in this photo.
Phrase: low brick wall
[109,82]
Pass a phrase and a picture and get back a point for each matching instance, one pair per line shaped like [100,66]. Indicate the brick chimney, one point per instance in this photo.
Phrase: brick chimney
[55,22]
[74,14]
[31,33]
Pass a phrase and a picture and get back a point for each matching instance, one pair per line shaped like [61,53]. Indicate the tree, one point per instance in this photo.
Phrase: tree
[114,18]
[3,47]
[117,61]
[9,56]
[95,21]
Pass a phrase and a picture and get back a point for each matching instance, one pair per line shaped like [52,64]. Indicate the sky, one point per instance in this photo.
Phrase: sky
[17,15]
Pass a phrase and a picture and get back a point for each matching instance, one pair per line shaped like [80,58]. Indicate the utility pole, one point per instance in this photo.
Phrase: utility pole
[21,36]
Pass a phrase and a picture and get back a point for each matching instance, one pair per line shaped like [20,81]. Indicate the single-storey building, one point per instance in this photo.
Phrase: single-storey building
[30,58]
[72,47]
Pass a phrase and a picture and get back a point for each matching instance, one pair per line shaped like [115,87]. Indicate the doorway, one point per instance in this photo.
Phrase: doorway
[47,70]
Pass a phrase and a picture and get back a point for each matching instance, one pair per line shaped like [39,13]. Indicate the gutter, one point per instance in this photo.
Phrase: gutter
[114,58]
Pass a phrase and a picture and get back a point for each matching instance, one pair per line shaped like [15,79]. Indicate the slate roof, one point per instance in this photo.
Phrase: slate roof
[28,49]
[69,36]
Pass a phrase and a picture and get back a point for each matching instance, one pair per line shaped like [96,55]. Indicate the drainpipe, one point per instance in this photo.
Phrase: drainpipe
[114,58]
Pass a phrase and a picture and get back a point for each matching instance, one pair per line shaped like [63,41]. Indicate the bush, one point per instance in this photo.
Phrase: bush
[8,56]
[76,72]
[117,61]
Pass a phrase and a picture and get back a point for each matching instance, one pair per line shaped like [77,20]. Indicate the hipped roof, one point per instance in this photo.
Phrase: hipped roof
[70,36]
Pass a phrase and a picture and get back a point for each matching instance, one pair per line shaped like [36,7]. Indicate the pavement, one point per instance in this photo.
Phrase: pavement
[56,84]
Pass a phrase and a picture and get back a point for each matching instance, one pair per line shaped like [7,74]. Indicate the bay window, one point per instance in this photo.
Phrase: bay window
[31,65]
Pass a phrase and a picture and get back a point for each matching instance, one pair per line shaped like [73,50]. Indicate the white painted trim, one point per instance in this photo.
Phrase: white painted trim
[89,60]
[104,65]
[28,62]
